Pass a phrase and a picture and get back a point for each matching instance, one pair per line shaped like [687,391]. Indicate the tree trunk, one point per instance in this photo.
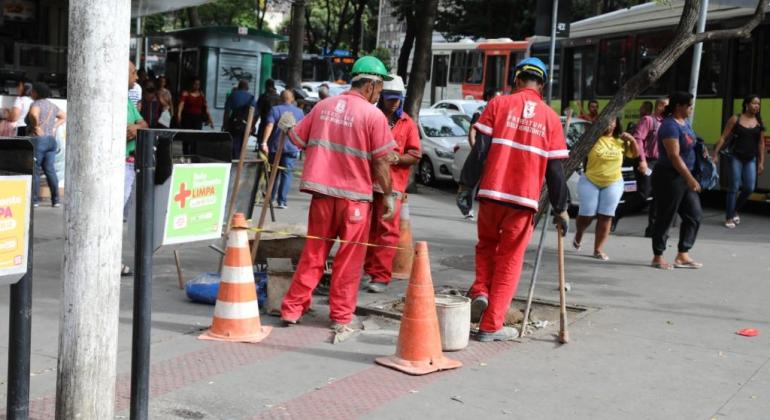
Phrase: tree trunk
[93,211]
[406,47]
[296,43]
[342,20]
[193,17]
[422,55]
[356,37]
[260,6]
[682,40]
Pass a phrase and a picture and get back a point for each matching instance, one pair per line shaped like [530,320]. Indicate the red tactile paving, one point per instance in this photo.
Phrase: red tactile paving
[175,373]
[362,392]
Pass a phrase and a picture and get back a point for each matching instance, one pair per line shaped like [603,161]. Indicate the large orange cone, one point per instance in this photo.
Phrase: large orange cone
[419,341]
[236,314]
[402,261]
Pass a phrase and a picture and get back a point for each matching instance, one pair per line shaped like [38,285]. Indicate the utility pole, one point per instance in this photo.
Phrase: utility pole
[697,53]
[98,51]
[552,49]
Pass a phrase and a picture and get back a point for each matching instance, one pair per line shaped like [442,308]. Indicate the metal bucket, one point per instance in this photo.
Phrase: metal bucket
[454,321]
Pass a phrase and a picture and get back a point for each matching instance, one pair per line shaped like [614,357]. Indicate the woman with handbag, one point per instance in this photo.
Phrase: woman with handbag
[743,148]
[43,119]
[675,186]
[193,112]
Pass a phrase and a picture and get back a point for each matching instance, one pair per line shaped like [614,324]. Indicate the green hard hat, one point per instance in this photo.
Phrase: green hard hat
[370,65]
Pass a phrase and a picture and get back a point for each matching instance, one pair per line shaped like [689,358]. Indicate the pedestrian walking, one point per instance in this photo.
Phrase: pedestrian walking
[134,122]
[265,102]
[14,117]
[151,107]
[527,145]
[192,112]
[236,115]
[348,145]
[290,152]
[743,147]
[43,118]
[323,91]
[675,187]
[378,267]
[601,185]
[646,135]
[166,101]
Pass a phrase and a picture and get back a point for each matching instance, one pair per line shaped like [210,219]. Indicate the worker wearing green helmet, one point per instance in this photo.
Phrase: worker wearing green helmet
[368,74]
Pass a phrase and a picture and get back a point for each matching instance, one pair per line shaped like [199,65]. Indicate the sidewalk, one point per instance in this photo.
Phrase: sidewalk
[660,344]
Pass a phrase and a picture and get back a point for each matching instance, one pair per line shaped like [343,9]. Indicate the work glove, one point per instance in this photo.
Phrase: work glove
[561,221]
[389,203]
[464,200]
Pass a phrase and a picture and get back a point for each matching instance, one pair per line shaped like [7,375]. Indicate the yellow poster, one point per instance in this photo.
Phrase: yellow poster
[14,226]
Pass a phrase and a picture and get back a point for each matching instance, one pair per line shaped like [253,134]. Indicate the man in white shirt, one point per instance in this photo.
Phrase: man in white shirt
[135,95]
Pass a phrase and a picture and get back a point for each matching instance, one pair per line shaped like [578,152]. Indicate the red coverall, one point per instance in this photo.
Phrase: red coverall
[525,133]
[341,136]
[379,261]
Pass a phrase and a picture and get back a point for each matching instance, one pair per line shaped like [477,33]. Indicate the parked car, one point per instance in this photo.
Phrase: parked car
[440,131]
[577,127]
[466,106]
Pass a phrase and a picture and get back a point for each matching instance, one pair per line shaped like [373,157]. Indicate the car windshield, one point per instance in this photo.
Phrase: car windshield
[445,125]
[471,107]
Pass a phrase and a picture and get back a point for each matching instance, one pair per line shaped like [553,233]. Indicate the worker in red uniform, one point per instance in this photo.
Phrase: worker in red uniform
[527,145]
[348,147]
[379,260]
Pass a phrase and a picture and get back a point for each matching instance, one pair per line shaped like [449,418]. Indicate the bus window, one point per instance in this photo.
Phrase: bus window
[474,69]
[439,70]
[495,73]
[766,64]
[709,82]
[743,68]
[583,61]
[457,67]
[648,47]
[613,68]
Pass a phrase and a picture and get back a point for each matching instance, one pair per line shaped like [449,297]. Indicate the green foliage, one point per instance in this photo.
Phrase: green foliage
[228,12]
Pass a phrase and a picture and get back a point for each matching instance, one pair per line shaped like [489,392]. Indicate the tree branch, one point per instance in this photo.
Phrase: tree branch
[740,32]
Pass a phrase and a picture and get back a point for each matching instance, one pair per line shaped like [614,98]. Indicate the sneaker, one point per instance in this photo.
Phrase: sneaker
[470,216]
[503,334]
[366,280]
[289,322]
[737,219]
[730,224]
[56,204]
[478,306]
[281,206]
[377,287]
[35,204]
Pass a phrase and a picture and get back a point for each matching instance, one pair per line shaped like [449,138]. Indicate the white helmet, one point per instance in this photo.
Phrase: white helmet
[395,85]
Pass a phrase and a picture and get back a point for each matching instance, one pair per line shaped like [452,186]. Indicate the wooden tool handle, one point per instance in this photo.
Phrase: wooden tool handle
[563,333]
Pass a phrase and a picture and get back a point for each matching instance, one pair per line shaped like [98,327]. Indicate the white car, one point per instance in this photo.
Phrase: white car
[466,106]
[334,88]
[576,129]
[440,131]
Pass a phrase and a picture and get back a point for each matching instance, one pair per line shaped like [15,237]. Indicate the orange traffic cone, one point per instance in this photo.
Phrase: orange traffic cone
[236,314]
[419,342]
[402,261]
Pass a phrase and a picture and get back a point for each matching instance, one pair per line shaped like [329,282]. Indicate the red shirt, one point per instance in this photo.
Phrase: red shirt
[407,143]
[525,133]
[341,135]
[192,104]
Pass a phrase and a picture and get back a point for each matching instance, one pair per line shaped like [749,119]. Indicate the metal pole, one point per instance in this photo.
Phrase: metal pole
[145,215]
[19,338]
[379,25]
[138,51]
[98,51]
[535,272]
[697,52]
[552,51]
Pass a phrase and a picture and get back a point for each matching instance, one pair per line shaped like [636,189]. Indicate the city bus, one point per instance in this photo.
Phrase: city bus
[604,51]
[447,73]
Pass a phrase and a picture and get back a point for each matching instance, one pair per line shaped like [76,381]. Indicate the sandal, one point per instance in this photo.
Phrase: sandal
[576,244]
[601,256]
[730,224]
[662,266]
[687,264]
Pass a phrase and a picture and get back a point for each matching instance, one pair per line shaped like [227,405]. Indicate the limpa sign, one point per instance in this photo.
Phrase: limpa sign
[196,202]
[14,227]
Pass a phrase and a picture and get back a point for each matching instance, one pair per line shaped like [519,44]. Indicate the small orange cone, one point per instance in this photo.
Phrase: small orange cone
[236,314]
[419,342]
[402,261]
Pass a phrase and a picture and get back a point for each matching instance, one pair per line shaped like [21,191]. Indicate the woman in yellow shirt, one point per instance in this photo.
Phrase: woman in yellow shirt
[601,185]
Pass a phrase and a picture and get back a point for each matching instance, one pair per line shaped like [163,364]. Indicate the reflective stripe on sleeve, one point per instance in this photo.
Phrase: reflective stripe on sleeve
[483,128]
[389,146]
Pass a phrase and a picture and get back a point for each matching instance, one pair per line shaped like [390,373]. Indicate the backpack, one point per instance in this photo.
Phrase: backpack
[705,170]
[239,118]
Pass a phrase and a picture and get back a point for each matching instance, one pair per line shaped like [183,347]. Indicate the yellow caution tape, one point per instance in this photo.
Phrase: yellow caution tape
[342,241]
